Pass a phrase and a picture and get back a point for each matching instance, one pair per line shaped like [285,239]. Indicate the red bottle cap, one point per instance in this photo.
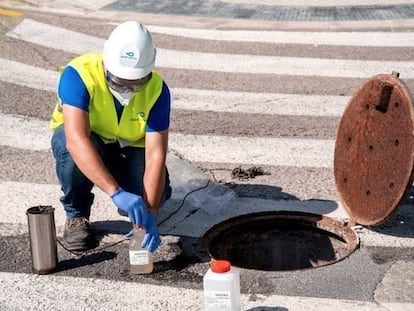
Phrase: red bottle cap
[220,266]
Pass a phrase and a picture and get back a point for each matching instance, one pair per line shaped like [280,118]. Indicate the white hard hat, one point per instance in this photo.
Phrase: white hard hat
[129,53]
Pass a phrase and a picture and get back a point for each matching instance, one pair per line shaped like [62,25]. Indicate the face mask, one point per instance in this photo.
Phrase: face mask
[123,98]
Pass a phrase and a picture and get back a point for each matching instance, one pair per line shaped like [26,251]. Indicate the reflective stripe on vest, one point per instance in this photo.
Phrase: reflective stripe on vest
[130,131]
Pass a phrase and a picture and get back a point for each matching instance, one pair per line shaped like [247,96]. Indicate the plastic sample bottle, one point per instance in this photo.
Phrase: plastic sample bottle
[140,259]
[221,286]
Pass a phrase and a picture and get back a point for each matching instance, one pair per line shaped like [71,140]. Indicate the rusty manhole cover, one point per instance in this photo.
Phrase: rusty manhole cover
[275,241]
[373,162]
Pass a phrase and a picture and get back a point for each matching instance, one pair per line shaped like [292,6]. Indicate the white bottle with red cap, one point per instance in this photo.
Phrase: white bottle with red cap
[221,286]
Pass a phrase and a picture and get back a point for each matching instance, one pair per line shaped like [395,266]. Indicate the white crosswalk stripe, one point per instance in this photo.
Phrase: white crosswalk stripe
[59,38]
[296,152]
[384,39]
[205,100]
[110,295]
[27,75]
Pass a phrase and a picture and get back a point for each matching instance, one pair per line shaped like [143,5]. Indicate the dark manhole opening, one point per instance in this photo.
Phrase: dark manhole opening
[277,241]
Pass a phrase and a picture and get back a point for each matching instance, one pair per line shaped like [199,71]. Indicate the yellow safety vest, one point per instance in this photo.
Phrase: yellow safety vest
[130,131]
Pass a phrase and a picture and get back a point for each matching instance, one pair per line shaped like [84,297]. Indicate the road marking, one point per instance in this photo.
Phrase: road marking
[27,75]
[290,66]
[10,13]
[37,133]
[62,39]
[366,39]
[202,100]
[254,150]
[198,148]
[46,194]
[313,3]
[56,37]
[261,103]
[33,292]
[91,5]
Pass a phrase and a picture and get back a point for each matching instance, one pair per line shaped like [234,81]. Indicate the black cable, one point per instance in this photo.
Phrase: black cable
[182,203]
[83,253]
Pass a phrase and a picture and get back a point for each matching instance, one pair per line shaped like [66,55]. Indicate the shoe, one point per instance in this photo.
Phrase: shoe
[122,213]
[78,236]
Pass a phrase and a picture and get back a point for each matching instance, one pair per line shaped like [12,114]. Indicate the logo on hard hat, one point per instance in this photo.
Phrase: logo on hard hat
[129,56]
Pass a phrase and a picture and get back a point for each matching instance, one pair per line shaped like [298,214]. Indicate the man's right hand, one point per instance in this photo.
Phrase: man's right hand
[132,204]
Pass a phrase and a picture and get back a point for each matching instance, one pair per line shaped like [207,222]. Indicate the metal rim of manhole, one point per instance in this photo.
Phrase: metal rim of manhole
[280,241]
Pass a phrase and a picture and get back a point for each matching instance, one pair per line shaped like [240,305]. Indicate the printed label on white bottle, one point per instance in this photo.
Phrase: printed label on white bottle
[217,300]
[138,257]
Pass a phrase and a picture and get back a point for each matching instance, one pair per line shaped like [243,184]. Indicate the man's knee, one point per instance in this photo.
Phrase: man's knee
[58,142]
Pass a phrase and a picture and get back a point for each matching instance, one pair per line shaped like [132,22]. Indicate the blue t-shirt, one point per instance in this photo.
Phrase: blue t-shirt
[72,91]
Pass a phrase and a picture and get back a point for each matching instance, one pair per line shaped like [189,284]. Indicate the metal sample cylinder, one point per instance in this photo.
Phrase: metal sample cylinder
[42,233]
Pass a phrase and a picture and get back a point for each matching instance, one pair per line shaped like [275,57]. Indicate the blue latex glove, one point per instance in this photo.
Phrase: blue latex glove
[132,204]
[152,238]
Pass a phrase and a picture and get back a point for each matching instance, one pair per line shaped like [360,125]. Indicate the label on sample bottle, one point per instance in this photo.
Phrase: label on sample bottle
[138,257]
[217,300]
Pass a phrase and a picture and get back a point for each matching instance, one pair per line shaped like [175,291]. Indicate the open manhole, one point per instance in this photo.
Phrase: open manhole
[273,241]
